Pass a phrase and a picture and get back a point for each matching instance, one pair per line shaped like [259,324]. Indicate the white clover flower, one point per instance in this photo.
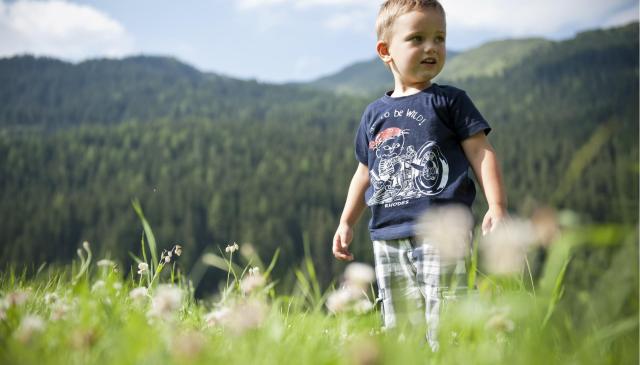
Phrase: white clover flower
[29,326]
[98,286]
[246,316]
[232,248]
[545,222]
[217,317]
[251,282]
[105,263]
[59,310]
[117,286]
[362,306]
[188,346]
[166,300]
[143,268]
[504,249]
[51,298]
[359,275]
[254,271]
[500,322]
[139,295]
[448,228]
[177,249]
[340,300]
[17,298]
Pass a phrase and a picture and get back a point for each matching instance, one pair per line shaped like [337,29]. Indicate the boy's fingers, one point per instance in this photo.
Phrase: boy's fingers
[486,225]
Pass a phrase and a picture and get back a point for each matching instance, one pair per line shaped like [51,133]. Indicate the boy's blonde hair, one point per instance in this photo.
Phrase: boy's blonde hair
[390,10]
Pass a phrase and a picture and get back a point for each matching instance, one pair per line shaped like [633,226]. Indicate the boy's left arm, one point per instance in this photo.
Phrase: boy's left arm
[484,163]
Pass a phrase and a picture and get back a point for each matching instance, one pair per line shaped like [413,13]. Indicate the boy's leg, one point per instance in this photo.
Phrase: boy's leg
[402,303]
[439,283]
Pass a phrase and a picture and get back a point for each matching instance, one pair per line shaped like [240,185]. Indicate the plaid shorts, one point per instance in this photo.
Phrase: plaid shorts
[413,282]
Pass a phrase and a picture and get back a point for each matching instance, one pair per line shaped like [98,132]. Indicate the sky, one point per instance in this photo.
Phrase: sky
[272,40]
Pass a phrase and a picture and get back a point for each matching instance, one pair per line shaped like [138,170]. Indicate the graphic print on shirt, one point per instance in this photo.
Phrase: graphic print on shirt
[402,172]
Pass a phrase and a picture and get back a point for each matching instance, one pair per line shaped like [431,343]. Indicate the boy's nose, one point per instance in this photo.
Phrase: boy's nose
[429,47]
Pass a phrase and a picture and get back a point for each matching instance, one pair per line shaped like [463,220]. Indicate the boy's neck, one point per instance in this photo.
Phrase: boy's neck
[401,90]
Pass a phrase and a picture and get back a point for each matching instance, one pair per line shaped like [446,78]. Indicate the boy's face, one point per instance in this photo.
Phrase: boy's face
[416,47]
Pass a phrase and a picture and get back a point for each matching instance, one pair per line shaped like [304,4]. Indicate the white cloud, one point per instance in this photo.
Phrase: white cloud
[508,17]
[61,29]
[356,20]
[529,17]
[623,17]
[252,4]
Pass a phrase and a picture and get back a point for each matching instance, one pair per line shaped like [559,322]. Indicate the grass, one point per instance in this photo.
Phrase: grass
[91,313]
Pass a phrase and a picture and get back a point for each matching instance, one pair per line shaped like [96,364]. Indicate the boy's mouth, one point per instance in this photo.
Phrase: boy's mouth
[429,61]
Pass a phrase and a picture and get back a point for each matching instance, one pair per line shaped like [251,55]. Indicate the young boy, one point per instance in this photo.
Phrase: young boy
[414,146]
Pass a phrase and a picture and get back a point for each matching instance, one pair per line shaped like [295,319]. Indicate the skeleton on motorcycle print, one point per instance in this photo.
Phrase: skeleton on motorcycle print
[404,173]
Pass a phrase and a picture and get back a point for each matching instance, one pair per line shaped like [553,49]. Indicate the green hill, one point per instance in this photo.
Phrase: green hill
[491,59]
[215,160]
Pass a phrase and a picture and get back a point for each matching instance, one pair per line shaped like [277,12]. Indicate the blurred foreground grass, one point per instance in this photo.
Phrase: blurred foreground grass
[578,305]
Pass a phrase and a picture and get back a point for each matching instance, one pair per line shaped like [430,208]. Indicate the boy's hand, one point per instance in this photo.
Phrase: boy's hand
[341,241]
[492,218]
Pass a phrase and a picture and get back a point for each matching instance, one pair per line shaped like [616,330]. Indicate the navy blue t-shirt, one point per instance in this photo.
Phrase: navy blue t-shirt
[412,146]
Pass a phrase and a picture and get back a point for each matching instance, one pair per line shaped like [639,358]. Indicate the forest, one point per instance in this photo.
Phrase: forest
[215,160]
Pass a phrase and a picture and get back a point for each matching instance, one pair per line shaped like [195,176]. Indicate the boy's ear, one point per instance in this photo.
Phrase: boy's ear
[382,48]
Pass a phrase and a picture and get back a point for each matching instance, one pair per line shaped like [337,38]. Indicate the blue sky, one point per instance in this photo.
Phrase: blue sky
[272,40]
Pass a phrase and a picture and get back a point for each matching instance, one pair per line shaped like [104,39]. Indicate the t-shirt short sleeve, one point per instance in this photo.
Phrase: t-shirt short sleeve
[362,141]
[467,120]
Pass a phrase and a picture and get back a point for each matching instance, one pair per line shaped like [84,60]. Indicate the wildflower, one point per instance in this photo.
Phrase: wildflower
[448,229]
[167,258]
[500,322]
[504,249]
[17,298]
[29,326]
[251,282]
[143,268]
[232,248]
[85,245]
[188,346]
[362,306]
[166,301]
[138,295]
[246,316]
[217,317]
[177,249]
[359,275]
[254,271]
[98,286]
[340,300]
[364,351]
[105,263]
[51,298]
[59,310]
[545,223]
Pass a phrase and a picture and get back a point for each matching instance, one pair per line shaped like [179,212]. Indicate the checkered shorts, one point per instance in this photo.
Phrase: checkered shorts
[412,283]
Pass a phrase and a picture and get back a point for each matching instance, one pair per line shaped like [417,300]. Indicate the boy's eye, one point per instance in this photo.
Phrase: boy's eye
[416,39]
[440,39]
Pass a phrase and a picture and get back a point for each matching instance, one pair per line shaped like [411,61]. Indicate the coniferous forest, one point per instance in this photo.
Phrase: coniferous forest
[215,160]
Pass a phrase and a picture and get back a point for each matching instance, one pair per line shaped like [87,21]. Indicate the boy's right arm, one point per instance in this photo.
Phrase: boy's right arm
[353,208]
